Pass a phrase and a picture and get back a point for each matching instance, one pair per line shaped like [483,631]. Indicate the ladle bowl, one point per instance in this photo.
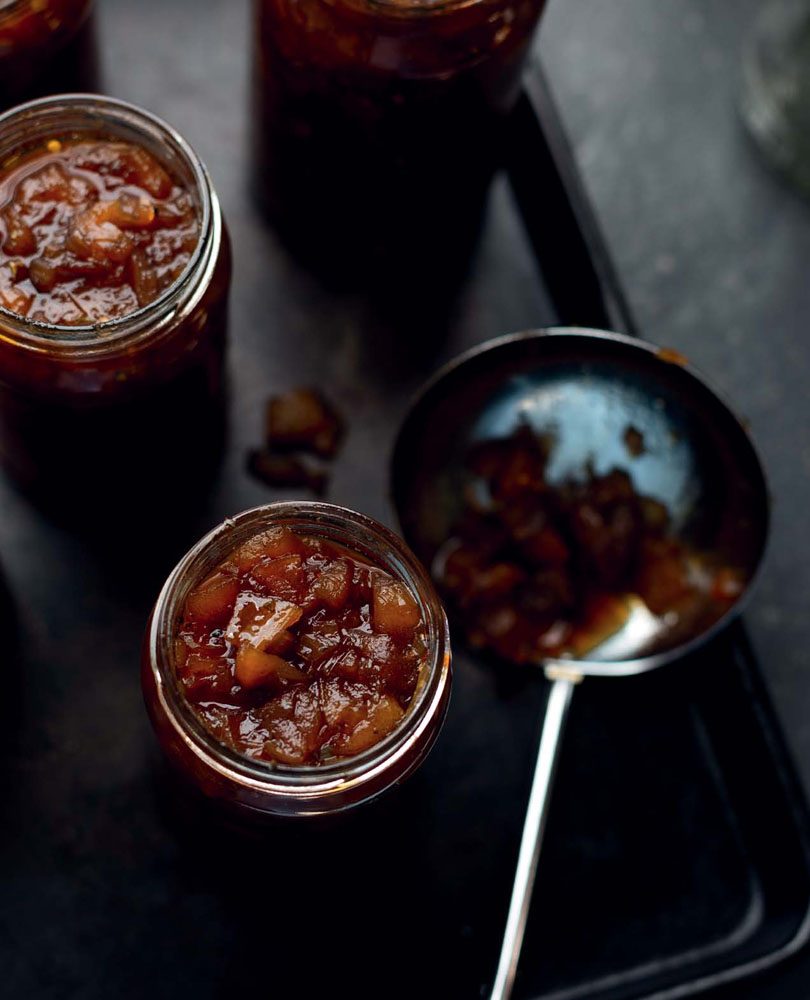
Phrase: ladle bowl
[586,388]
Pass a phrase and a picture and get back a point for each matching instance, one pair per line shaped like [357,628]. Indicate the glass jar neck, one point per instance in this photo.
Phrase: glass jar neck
[413,8]
[87,115]
[14,8]
[371,541]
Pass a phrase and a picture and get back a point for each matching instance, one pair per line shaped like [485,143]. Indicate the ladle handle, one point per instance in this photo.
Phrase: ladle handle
[534,826]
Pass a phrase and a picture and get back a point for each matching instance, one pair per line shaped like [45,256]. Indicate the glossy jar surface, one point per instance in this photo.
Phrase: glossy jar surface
[250,786]
[46,47]
[377,124]
[93,403]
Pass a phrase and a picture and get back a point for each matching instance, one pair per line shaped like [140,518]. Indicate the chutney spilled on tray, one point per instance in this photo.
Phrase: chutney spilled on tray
[297,650]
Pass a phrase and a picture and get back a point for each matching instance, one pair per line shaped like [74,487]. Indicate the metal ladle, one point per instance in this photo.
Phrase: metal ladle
[586,387]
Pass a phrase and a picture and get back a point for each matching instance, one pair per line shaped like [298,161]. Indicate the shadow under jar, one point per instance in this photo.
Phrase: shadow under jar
[226,762]
[46,47]
[114,275]
[377,125]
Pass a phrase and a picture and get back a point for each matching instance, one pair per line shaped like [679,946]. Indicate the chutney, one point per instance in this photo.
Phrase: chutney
[90,230]
[297,650]
[115,268]
[536,568]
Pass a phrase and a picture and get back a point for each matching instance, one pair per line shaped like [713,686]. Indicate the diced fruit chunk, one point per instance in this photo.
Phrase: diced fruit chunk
[92,237]
[255,668]
[206,676]
[293,722]
[213,600]
[281,576]
[98,234]
[49,183]
[318,642]
[342,703]
[16,301]
[302,418]
[132,164]
[261,622]
[19,240]
[333,585]
[380,719]
[268,545]
[394,610]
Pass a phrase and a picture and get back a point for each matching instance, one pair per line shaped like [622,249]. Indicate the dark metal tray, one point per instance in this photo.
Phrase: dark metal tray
[677,851]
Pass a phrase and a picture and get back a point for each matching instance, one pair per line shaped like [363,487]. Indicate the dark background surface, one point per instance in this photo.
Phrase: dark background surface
[712,253]
[712,250]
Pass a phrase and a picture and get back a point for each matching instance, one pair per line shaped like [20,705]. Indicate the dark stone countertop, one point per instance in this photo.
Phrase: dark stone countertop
[712,250]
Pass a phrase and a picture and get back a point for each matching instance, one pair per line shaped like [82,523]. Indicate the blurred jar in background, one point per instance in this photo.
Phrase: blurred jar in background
[776,87]
[377,122]
[46,47]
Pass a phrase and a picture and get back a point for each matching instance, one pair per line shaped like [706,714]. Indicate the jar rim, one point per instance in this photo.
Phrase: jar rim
[306,780]
[104,115]
[13,6]
[418,8]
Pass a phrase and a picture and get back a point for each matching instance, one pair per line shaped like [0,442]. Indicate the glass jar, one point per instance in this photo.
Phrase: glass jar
[46,47]
[252,787]
[90,409]
[775,98]
[377,122]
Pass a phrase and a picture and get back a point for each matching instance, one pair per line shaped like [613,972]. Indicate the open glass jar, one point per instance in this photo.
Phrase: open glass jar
[267,788]
[94,403]
[377,122]
[46,47]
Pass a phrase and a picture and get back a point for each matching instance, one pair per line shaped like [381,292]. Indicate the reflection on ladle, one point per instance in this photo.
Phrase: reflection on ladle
[593,385]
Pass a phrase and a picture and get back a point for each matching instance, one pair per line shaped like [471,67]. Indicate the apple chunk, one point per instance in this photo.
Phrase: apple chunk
[262,622]
[213,600]
[255,668]
[270,544]
[381,717]
[332,587]
[394,611]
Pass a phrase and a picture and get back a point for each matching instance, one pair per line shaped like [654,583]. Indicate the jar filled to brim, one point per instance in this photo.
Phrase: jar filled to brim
[88,400]
[269,787]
